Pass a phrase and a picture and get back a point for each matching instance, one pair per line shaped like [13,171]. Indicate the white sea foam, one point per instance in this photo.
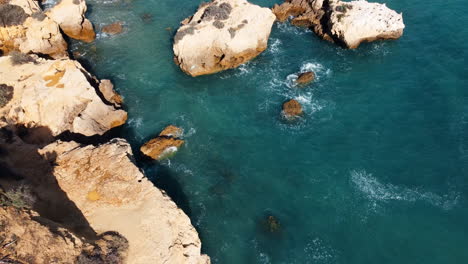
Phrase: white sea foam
[318,252]
[376,191]
[275,46]
[288,28]
[135,122]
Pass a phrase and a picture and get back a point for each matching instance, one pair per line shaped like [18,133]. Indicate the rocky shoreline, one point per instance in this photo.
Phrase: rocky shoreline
[66,201]
[89,203]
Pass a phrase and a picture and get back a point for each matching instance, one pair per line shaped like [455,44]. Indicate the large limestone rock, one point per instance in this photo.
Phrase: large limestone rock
[221,35]
[56,94]
[345,23]
[113,194]
[70,15]
[24,28]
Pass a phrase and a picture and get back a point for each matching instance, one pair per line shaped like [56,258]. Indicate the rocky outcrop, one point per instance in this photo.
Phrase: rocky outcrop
[305,77]
[167,143]
[345,23]
[113,29]
[292,109]
[222,34]
[70,15]
[26,237]
[25,28]
[107,89]
[118,197]
[56,94]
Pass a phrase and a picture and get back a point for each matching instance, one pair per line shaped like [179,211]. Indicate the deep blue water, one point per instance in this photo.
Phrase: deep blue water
[375,172]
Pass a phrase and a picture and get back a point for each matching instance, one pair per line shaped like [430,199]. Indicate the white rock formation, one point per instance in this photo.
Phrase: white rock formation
[113,194]
[221,35]
[70,15]
[56,94]
[345,23]
[359,21]
[24,28]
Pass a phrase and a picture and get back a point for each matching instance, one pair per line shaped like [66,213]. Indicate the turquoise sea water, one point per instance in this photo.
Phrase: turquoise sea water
[376,171]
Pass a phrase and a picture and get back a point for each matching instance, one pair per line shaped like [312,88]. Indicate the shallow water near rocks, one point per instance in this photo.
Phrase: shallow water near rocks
[375,172]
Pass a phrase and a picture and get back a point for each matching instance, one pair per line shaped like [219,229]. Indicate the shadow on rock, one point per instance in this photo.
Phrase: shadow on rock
[30,176]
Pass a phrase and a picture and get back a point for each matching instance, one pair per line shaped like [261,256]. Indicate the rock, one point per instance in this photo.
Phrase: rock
[25,28]
[172,131]
[113,29]
[107,89]
[118,197]
[292,108]
[166,144]
[33,242]
[222,34]
[273,224]
[70,15]
[56,94]
[345,23]
[26,237]
[305,77]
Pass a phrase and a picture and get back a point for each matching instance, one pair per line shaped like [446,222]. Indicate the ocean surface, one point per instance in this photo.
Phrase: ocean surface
[375,172]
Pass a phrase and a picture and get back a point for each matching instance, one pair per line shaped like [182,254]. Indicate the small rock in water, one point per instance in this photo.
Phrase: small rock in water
[305,77]
[113,29]
[292,108]
[165,145]
[147,17]
[273,224]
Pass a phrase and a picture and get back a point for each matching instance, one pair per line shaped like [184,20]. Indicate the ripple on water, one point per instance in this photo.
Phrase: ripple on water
[377,192]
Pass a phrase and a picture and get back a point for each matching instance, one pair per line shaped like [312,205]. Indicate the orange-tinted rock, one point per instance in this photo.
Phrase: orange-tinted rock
[292,108]
[166,144]
[113,29]
[171,131]
[305,77]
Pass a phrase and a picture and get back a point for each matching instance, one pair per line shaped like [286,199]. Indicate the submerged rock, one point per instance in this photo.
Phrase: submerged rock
[222,34]
[56,94]
[117,196]
[305,77]
[25,28]
[163,146]
[70,15]
[273,224]
[113,29]
[292,109]
[345,23]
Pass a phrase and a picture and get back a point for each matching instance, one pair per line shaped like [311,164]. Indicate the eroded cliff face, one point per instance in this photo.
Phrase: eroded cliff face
[345,23]
[70,15]
[117,196]
[28,238]
[25,28]
[222,34]
[57,94]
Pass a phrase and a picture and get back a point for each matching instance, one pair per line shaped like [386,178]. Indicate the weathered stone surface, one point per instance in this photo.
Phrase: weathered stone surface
[24,28]
[305,77]
[56,94]
[26,237]
[23,238]
[113,29]
[221,35]
[107,89]
[166,144]
[117,196]
[292,108]
[172,131]
[70,15]
[345,23]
